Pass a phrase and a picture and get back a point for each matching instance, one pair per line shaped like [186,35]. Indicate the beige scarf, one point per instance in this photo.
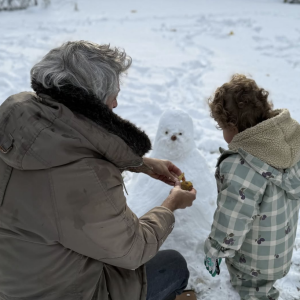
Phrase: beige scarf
[275,141]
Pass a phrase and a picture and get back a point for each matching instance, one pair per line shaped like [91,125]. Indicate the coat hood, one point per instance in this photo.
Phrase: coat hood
[38,132]
[275,141]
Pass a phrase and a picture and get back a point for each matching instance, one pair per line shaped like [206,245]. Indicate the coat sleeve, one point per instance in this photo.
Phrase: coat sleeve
[94,219]
[241,191]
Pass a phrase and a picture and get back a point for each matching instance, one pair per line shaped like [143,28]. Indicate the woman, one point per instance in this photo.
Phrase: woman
[66,231]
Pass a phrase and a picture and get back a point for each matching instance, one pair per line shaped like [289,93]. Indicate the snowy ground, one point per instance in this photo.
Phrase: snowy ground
[182,50]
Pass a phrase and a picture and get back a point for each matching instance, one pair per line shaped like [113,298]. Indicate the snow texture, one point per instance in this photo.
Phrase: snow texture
[182,51]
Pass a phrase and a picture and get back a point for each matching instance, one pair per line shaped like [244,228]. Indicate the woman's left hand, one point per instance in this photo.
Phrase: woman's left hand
[162,170]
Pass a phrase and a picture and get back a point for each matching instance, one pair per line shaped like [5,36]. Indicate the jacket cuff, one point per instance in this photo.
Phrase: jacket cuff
[163,207]
[140,168]
[213,249]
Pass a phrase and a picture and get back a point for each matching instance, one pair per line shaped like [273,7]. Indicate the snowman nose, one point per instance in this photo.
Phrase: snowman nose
[173,138]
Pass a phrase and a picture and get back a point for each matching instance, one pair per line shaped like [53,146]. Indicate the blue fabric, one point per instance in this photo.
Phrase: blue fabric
[167,275]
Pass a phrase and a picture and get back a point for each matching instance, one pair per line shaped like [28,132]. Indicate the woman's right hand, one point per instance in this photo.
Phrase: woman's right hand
[179,199]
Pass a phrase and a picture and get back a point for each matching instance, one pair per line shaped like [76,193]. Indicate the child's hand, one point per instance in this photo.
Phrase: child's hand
[213,265]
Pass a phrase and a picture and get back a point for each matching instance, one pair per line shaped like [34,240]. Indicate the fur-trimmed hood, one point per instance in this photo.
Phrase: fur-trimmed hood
[275,141]
[79,101]
[51,128]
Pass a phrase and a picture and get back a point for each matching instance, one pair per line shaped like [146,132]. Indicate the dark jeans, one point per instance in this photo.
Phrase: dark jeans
[167,275]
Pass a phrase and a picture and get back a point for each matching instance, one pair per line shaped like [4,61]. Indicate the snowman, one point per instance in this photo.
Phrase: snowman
[174,141]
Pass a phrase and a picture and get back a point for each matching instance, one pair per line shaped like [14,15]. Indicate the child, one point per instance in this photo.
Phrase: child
[258,181]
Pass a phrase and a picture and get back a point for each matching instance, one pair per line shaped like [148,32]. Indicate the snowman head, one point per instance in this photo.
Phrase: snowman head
[175,135]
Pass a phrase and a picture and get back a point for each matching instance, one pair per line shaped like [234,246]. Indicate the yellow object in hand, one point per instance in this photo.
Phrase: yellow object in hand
[185,185]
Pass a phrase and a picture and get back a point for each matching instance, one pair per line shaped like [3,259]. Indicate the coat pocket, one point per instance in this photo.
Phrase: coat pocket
[5,173]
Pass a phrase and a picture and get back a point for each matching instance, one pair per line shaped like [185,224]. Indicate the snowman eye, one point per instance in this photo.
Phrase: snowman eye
[180,133]
[166,132]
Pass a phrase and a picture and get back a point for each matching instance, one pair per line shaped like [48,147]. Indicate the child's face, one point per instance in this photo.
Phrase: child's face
[229,133]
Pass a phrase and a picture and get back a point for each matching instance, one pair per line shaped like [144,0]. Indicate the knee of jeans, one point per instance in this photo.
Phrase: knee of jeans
[180,262]
[187,275]
[174,255]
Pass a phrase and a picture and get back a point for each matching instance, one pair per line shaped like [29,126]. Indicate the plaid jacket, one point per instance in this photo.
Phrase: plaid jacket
[255,222]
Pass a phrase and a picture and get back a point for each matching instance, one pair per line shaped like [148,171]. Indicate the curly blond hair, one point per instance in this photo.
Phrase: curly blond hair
[240,103]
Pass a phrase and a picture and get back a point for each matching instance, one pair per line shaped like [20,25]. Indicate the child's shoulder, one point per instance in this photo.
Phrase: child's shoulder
[232,162]
[228,157]
[236,168]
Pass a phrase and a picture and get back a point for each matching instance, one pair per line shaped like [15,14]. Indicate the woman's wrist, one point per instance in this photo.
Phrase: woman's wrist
[144,168]
[170,204]
[147,164]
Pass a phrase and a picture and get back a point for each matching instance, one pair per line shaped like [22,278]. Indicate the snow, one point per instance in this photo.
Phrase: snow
[182,51]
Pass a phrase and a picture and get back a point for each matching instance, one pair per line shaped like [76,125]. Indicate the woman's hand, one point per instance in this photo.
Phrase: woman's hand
[162,170]
[179,199]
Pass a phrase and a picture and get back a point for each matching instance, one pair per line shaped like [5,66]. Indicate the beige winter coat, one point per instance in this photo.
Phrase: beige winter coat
[66,232]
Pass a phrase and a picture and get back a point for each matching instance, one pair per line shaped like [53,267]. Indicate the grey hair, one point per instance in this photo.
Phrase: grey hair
[91,67]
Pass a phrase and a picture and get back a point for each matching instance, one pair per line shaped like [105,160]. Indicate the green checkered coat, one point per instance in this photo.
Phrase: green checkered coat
[256,219]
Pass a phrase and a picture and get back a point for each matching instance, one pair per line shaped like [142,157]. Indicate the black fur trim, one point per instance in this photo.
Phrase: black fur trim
[79,101]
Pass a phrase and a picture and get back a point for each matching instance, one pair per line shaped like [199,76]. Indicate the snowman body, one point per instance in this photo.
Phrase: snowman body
[175,142]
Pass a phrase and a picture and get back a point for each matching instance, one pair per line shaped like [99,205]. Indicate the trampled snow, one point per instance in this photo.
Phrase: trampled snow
[182,51]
